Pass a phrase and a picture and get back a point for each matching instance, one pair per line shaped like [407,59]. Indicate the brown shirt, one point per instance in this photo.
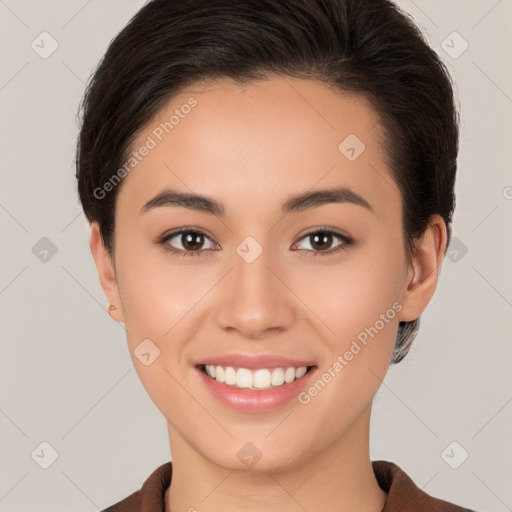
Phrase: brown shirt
[403,494]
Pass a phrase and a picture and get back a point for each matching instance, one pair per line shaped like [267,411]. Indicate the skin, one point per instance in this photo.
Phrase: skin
[251,148]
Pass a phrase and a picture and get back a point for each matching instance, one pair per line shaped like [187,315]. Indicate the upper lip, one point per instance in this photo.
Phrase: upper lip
[253,362]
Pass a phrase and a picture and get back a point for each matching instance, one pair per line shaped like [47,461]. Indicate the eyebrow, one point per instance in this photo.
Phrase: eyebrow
[296,203]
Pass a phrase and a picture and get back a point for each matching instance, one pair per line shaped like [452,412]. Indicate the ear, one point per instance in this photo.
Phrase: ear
[106,272]
[423,273]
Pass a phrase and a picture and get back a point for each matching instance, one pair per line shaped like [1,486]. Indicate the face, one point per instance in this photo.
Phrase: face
[257,275]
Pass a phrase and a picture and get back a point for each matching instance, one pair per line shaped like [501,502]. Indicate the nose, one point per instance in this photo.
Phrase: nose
[254,300]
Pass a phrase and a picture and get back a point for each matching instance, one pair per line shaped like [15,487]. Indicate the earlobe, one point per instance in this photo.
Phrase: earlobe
[106,272]
[423,274]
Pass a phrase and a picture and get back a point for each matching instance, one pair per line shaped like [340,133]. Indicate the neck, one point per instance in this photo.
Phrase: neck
[340,477]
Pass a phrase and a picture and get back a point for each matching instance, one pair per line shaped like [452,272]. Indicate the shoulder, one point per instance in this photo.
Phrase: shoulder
[150,496]
[404,495]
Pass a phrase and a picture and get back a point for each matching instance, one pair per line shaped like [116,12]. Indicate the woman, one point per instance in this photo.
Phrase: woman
[304,153]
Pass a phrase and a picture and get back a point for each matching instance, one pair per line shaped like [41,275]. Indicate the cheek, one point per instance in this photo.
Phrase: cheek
[157,299]
[148,282]
[351,296]
[161,301]
[359,304]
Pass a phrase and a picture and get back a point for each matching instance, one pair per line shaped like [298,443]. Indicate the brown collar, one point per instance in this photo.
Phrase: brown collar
[403,494]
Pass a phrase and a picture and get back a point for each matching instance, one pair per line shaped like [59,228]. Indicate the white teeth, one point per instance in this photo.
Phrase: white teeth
[230,376]
[262,379]
[243,378]
[289,375]
[277,377]
[258,379]
[299,372]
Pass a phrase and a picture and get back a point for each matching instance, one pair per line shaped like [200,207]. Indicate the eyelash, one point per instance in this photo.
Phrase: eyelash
[347,241]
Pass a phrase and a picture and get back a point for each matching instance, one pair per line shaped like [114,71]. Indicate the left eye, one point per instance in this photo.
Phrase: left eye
[193,240]
[323,237]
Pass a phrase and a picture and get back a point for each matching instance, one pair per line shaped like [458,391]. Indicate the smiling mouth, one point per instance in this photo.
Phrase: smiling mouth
[255,380]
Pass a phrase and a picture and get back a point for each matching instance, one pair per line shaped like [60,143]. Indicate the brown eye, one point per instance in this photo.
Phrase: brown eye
[192,241]
[320,241]
[189,242]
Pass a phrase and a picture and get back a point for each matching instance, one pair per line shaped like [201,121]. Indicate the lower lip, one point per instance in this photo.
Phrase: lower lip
[247,400]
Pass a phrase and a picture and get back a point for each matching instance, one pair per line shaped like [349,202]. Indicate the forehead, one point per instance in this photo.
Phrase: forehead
[260,141]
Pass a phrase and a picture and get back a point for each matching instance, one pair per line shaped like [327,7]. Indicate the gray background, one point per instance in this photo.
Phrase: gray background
[66,377]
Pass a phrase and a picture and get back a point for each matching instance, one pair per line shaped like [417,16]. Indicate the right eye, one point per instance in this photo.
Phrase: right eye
[187,238]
